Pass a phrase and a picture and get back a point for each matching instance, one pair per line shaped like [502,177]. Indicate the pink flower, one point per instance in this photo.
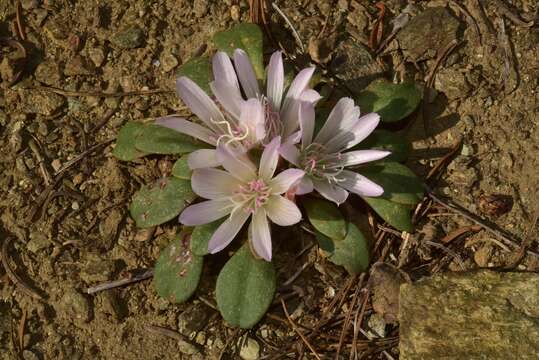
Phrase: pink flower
[238,122]
[324,160]
[242,191]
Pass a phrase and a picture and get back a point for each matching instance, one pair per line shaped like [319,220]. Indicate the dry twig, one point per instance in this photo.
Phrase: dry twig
[117,283]
[25,288]
[303,338]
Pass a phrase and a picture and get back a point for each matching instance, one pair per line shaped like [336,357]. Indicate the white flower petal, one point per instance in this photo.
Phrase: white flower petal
[227,231]
[228,96]
[269,159]
[341,119]
[237,165]
[212,183]
[290,108]
[260,235]
[275,84]
[199,102]
[203,158]
[284,180]
[188,128]
[362,156]
[330,191]
[252,119]
[246,73]
[282,211]
[290,153]
[310,96]
[305,186]
[205,212]
[364,126]
[306,121]
[359,184]
[223,70]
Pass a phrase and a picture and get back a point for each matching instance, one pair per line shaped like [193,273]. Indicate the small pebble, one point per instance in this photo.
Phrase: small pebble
[75,205]
[250,350]
[56,164]
[235,12]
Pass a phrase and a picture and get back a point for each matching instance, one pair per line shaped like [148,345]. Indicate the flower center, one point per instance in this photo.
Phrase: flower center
[253,194]
[272,121]
[317,163]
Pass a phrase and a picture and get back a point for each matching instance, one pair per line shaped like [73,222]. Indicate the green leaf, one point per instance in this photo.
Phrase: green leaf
[198,70]
[177,271]
[155,139]
[181,169]
[325,243]
[393,102]
[160,202]
[125,143]
[245,288]
[399,146]
[201,237]
[400,183]
[326,218]
[352,253]
[247,37]
[396,215]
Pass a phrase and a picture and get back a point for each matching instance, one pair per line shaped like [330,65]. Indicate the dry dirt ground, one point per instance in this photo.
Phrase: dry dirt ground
[66,216]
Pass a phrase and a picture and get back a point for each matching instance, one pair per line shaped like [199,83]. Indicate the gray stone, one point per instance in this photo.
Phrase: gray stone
[169,61]
[78,66]
[38,240]
[41,102]
[427,33]
[452,83]
[48,73]
[200,7]
[28,355]
[479,315]
[129,38]
[29,4]
[250,349]
[73,305]
[354,65]
[97,55]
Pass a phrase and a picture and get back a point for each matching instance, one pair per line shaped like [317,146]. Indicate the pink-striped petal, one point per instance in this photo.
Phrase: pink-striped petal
[228,96]
[223,70]
[237,165]
[260,235]
[289,110]
[341,119]
[305,186]
[188,128]
[203,158]
[212,183]
[359,184]
[246,74]
[275,84]
[252,119]
[362,156]
[290,153]
[227,231]
[306,120]
[199,102]
[364,126]
[205,212]
[269,159]
[284,180]
[330,191]
[282,211]
[311,96]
